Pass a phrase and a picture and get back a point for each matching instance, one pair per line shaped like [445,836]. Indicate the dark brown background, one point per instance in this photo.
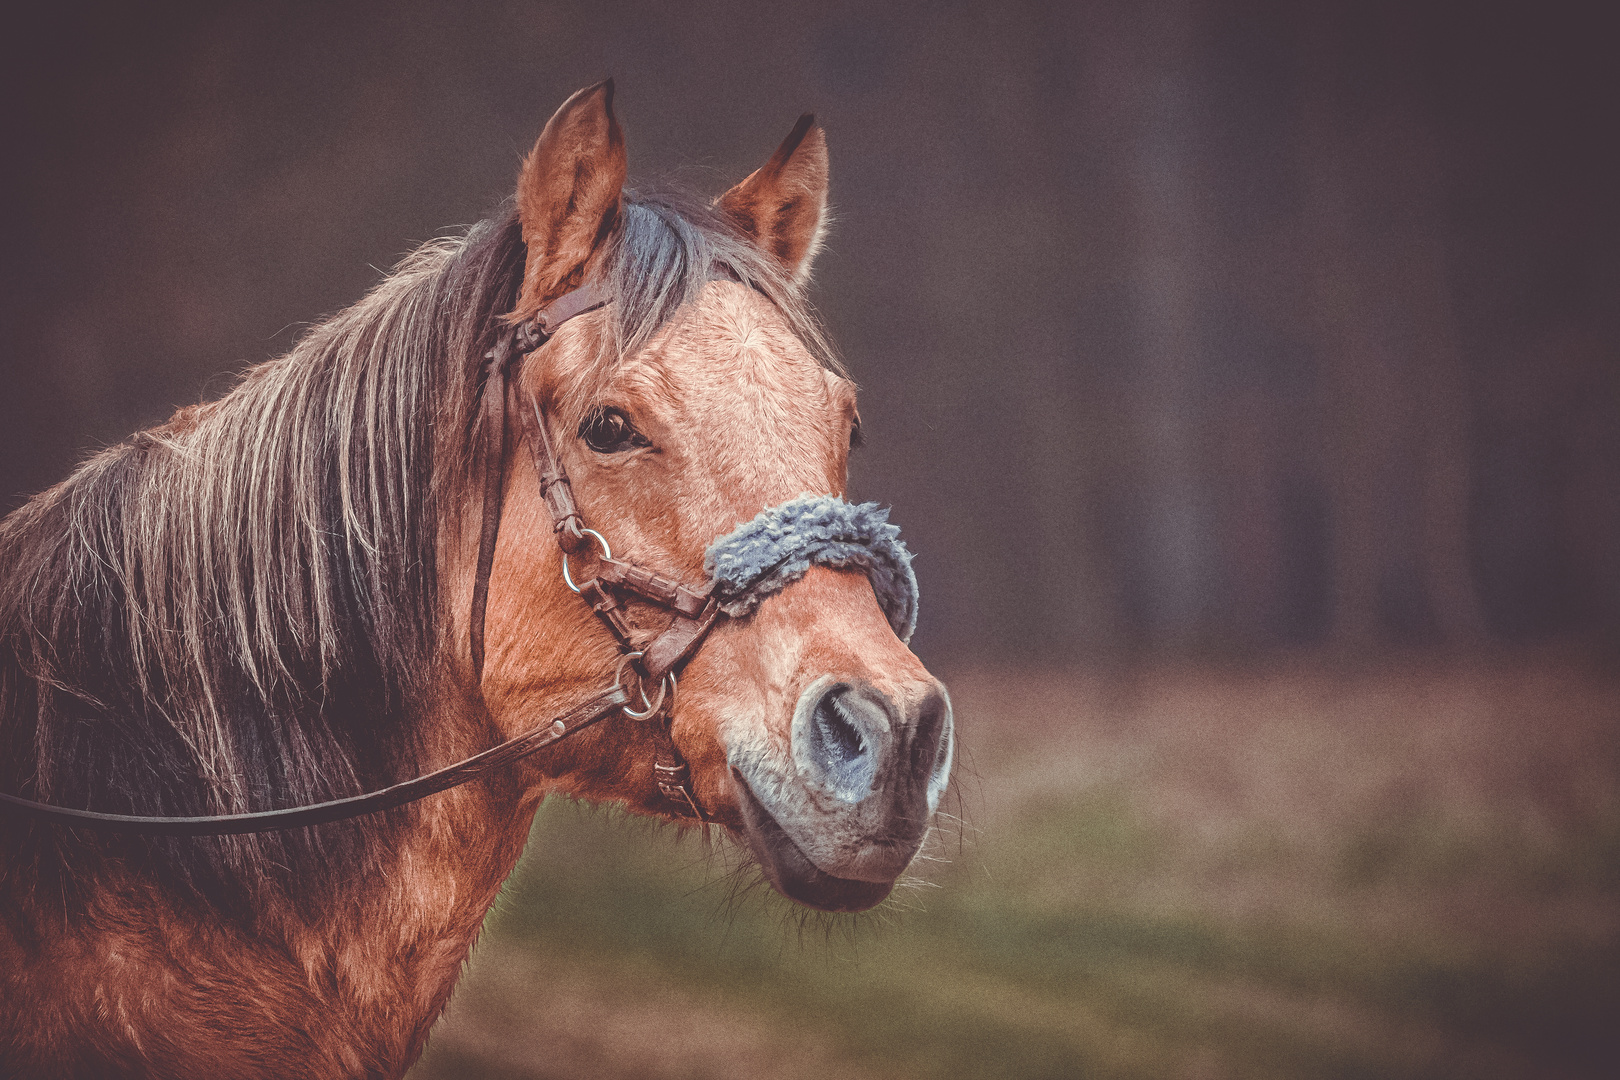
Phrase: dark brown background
[1191,328]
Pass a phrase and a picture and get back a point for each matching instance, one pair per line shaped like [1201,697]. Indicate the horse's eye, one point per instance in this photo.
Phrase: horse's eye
[609,431]
[856,437]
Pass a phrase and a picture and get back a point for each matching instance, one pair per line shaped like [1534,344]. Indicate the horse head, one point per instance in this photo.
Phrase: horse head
[810,730]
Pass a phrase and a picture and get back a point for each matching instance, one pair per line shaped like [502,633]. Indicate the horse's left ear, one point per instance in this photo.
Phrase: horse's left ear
[783,204]
[568,195]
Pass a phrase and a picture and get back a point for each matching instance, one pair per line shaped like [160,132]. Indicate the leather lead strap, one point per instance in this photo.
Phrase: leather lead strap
[582,716]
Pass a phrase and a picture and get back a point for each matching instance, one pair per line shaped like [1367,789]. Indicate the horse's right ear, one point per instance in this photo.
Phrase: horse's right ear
[568,195]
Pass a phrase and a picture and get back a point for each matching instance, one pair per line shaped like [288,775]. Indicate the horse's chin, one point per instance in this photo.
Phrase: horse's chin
[791,871]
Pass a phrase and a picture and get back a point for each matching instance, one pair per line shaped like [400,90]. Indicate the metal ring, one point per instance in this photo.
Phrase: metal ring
[670,675]
[666,685]
[607,553]
[618,674]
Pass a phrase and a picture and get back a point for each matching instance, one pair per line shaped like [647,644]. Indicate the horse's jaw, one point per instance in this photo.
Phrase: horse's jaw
[791,872]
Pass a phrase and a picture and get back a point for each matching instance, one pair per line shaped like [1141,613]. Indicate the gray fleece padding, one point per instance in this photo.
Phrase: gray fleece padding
[775,549]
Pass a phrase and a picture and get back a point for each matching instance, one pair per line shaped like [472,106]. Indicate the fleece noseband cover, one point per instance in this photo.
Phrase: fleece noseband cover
[771,552]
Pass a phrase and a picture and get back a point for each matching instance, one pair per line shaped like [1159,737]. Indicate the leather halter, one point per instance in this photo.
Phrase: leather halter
[656,659]
[693,610]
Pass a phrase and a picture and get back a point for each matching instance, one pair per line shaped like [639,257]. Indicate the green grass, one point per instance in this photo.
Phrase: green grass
[1084,930]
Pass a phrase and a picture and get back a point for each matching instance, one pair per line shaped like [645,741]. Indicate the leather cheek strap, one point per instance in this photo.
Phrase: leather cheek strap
[515,342]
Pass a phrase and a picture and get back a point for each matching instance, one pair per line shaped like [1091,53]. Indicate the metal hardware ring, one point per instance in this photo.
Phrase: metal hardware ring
[666,686]
[618,674]
[607,553]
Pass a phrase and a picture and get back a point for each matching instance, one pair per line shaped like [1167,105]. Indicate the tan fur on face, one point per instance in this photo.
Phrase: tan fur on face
[739,414]
[740,417]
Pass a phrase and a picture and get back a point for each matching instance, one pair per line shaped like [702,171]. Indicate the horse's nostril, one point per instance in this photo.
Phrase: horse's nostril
[840,740]
[838,736]
[934,745]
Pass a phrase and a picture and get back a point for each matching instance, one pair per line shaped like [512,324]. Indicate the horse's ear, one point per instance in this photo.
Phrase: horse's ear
[783,204]
[568,195]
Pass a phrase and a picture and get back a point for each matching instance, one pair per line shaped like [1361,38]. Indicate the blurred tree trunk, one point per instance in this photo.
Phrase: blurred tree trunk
[1142,82]
[1006,279]
[1443,421]
[1363,384]
[1399,443]
[1039,115]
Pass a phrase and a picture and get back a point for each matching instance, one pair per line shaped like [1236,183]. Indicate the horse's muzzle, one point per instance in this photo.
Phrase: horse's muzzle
[839,826]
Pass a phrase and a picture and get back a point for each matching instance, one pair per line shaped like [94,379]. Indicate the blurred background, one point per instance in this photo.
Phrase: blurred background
[1246,374]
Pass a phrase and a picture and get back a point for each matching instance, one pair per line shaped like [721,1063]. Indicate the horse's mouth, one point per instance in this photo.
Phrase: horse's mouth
[792,872]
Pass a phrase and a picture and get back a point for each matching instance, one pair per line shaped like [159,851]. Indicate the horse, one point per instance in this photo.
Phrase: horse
[222,640]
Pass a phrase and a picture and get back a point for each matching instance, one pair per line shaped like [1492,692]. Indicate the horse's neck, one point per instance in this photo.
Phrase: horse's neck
[395,958]
[352,990]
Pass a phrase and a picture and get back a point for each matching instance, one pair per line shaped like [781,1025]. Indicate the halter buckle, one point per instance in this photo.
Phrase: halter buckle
[674,783]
